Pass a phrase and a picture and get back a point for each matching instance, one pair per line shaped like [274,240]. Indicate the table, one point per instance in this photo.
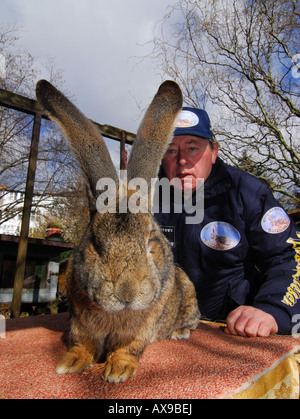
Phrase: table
[208,365]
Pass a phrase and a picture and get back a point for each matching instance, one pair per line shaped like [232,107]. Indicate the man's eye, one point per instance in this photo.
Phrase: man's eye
[171,151]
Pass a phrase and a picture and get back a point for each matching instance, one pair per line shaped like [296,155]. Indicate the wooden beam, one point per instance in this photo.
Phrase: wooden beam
[20,103]
[114,133]
[32,107]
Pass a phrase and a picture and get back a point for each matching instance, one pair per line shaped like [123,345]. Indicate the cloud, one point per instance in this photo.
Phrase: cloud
[96,43]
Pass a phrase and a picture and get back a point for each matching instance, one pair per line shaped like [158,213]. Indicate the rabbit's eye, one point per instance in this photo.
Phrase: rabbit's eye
[152,243]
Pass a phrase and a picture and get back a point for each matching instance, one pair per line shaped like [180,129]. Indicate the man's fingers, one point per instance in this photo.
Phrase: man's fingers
[250,321]
[241,324]
[231,320]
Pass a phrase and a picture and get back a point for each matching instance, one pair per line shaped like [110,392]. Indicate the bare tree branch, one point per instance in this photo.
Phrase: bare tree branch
[236,58]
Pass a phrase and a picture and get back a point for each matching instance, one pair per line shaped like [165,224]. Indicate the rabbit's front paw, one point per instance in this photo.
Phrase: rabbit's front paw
[119,367]
[75,360]
[181,334]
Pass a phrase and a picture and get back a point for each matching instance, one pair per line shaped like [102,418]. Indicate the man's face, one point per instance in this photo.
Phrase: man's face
[189,158]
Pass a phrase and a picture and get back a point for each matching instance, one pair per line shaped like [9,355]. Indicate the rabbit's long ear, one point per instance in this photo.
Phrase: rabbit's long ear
[87,143]
[155,132]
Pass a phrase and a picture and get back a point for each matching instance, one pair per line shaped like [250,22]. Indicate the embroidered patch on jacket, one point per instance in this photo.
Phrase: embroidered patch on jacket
[293,291]
[187,119]
[219,235]
[275,221]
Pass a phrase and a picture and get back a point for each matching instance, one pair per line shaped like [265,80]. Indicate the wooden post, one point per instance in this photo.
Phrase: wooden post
[123,151]
[22,248]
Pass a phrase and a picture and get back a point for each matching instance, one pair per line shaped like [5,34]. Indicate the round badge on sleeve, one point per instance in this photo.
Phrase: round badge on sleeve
[275,221]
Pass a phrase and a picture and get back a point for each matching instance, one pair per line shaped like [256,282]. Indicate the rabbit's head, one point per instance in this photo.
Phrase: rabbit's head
[123,261]
[130,262]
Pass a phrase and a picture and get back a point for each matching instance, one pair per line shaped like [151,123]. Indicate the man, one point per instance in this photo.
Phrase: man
[241,257]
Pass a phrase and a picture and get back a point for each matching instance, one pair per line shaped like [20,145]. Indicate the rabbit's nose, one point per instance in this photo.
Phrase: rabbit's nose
[126,290]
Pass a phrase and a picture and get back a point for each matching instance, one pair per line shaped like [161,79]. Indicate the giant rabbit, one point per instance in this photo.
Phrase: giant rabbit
[125,291]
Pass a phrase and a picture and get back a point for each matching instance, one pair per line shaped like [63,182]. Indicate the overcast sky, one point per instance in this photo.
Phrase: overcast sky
[96,43]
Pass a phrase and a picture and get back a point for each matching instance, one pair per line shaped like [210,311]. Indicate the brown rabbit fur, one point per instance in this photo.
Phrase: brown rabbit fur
[124,289]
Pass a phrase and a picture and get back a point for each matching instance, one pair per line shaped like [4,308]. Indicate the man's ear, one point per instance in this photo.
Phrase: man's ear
[215,152]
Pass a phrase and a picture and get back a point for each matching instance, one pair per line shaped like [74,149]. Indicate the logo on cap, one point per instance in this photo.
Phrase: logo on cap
[187,119]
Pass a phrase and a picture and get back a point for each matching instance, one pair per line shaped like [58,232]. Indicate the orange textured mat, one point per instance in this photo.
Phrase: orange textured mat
[208,365]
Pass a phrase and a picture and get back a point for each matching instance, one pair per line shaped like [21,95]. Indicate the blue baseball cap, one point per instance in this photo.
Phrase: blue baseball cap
[193,121]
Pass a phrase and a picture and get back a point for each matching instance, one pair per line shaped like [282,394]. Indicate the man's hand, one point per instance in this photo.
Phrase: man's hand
[250,321]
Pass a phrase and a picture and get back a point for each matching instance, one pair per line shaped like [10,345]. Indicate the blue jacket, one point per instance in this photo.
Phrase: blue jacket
[245,251]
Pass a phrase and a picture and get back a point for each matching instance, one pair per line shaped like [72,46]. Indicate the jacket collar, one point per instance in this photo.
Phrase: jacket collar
[219,179]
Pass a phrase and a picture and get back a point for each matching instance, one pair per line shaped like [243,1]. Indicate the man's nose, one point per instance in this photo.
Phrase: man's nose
[181,159]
